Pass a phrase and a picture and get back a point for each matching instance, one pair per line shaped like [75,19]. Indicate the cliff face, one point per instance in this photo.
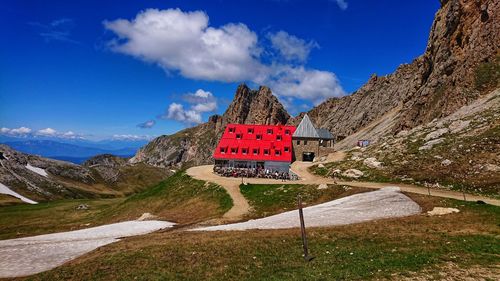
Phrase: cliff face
[194,146]
[460,63]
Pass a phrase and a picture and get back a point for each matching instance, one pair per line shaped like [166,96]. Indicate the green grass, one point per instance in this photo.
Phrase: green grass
[487,75]
[179,198]
[373,250]
[269,199]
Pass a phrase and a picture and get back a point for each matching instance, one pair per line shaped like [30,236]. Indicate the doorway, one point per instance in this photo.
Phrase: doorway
[308,156]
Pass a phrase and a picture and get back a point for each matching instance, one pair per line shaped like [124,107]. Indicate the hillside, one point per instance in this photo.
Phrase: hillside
[43,179]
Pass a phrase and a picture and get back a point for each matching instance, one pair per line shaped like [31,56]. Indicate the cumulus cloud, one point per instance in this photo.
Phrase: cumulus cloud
[21,131]
[291,47]
[199,102]
[147,125]
[47,132]
[308,84]
[185,43]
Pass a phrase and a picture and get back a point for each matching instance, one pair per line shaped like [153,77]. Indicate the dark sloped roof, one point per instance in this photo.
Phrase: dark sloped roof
[324,134]
[306,129]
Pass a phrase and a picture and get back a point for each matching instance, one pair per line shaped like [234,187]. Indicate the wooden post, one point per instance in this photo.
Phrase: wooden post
[429,189]
[463,192]
[303,231]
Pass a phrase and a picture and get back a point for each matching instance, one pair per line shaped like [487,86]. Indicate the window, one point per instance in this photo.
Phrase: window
[287,149]
[269,131]
[277,152]
[244,150]
[238,136]
[255,151]
[258,137]
[234,150]
[287,132]
[222,150]
[298,142]
[305,142]
[266,151]
[250,130]
[232,129]
[278,137]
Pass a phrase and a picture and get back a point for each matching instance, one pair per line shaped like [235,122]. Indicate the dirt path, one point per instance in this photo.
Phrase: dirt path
[231,185]
[241,205]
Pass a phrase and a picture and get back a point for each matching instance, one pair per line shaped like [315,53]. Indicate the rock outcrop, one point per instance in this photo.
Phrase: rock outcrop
[461,62]
[194,146]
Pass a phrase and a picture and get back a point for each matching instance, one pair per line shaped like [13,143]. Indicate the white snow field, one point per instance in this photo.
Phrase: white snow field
[31,255]
[387,202]
[5,190]
[37,170]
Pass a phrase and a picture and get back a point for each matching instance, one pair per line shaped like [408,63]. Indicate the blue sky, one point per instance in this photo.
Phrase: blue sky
[99,69]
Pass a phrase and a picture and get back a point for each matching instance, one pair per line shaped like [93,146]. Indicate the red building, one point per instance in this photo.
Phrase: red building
[255,146]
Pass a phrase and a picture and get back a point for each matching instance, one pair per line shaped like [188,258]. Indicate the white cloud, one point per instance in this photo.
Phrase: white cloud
[147,125]
[291,47]
[21,131]
[47,132]
[177,112]
[200,102]
[307,84]
[132,137]
[342,4]
[184,42]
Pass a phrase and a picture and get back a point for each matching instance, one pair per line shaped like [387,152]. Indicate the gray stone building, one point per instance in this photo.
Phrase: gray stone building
[309,142]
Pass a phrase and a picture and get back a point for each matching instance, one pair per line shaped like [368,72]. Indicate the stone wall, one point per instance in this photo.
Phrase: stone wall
[312,145]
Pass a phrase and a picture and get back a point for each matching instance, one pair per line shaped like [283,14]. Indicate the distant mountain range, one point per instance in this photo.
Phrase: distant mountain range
[76,151]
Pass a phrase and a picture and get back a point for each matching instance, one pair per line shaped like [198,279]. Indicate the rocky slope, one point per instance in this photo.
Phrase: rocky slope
[459,152]
[461,62]
[43,179]
[194,146]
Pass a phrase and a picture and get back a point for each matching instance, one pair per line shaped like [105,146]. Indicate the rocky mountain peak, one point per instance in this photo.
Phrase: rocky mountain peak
[194,146]
[255,107]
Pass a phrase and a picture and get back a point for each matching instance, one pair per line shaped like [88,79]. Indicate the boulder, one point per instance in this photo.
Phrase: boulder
[353,173]
[428,145]
[458,125]
[439,211]
[436,134]
[372,163]
[445,162]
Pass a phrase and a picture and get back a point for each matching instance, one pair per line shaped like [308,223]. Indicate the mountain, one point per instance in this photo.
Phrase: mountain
[460,64]
[194,146]
[43,179]
[66,151]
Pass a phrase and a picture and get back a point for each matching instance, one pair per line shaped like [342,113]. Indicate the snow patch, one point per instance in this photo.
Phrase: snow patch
[31,255]
[37,170]
[5,190]
[387,202]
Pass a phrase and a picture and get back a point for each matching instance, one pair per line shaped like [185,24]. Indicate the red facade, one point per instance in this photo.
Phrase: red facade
[256,143]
